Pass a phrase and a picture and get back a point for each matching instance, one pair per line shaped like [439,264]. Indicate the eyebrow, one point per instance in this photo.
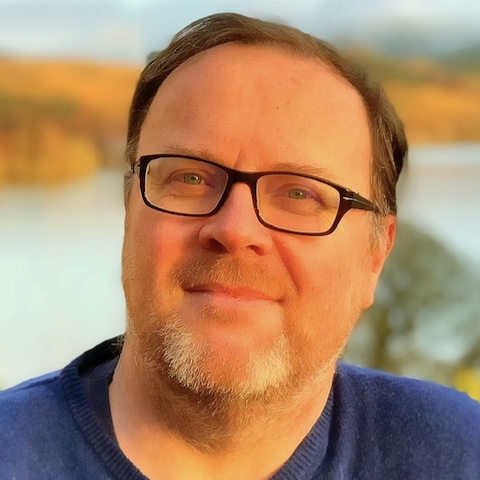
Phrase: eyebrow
[292,167]
[173,149]
[303,169]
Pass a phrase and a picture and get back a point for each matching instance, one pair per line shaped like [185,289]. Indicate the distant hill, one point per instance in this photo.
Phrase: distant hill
[466,60]
[60,120]
[438,99]
[406,38]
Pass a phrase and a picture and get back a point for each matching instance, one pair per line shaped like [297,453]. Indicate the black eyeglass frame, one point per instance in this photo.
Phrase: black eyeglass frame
[348,198]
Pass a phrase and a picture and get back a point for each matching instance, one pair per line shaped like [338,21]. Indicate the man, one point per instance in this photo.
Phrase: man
[247,260]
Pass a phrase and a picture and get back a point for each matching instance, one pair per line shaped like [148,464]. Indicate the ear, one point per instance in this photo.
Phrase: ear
[380,250]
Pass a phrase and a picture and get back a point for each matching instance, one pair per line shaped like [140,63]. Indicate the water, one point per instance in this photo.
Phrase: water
[60,290]
[440,194]
[60,248]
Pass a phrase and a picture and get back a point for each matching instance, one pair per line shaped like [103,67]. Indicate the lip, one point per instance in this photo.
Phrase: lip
[231,292]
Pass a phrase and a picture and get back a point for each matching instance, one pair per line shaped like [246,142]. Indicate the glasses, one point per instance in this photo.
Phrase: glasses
[284,201]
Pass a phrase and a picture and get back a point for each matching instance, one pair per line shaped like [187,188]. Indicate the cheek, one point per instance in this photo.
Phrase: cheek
[332,285]
[154,242]
[150,250]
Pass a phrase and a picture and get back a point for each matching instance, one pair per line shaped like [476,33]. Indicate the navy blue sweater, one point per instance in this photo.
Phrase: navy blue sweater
[374,426]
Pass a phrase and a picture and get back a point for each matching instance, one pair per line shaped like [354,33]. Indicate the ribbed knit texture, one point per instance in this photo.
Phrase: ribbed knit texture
[374,426]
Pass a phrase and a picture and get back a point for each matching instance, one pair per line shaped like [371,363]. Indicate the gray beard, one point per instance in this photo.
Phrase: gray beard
[189,401]
[208,399]
[203,407]
[182,357]
[266,369]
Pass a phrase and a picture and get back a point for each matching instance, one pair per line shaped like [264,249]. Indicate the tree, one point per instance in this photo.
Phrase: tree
[426,316]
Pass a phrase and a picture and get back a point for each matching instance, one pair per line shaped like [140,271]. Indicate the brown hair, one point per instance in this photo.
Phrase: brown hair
[389,145]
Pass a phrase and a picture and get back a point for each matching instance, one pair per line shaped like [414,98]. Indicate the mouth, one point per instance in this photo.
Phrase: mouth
[232,309]
[234,293]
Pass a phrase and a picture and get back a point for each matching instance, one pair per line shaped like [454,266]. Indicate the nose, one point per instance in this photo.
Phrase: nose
[235,226]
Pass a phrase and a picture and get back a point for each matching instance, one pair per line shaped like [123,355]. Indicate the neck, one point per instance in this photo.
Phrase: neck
[208,435]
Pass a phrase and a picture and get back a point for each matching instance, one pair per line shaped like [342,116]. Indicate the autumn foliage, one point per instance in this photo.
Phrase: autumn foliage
[61,120]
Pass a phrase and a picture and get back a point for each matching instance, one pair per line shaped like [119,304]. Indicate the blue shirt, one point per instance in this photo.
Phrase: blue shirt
[374,426]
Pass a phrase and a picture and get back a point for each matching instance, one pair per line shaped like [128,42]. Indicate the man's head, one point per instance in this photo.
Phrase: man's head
[223,304]
[389,145]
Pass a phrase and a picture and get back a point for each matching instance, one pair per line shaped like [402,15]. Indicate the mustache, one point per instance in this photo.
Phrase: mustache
[232,272]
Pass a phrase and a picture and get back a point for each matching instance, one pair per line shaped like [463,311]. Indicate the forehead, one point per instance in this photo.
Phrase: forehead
[257,101]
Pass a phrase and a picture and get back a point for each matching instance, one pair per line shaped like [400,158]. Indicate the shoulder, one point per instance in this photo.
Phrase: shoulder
[34,394]
[48,428]
[30,409]
[31,414]
[403,394]
[411,425]
[30,403]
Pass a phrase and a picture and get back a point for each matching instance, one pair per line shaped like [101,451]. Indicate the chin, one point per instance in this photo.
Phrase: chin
[224,368]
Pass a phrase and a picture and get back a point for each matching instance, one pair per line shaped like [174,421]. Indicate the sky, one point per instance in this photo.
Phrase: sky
[127,30]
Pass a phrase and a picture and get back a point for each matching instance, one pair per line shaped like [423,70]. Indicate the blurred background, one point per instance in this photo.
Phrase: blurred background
[67,73]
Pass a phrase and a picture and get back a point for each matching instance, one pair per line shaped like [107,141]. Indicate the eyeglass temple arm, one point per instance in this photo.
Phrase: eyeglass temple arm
[357,201]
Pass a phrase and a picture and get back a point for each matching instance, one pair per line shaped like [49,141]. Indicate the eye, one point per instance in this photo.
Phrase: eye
[185,178]
[192,178]
[297,194]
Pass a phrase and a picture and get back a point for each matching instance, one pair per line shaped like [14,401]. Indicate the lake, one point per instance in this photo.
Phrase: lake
[439,192]
[60,288]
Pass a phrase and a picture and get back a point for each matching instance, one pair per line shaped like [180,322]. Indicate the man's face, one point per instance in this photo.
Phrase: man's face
[223,303]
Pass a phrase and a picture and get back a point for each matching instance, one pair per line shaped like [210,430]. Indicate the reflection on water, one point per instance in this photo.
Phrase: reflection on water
[60,290]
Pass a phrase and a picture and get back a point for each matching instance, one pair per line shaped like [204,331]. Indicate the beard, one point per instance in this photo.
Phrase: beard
[172,355]
[204,393]
[195,365]
[167,347]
